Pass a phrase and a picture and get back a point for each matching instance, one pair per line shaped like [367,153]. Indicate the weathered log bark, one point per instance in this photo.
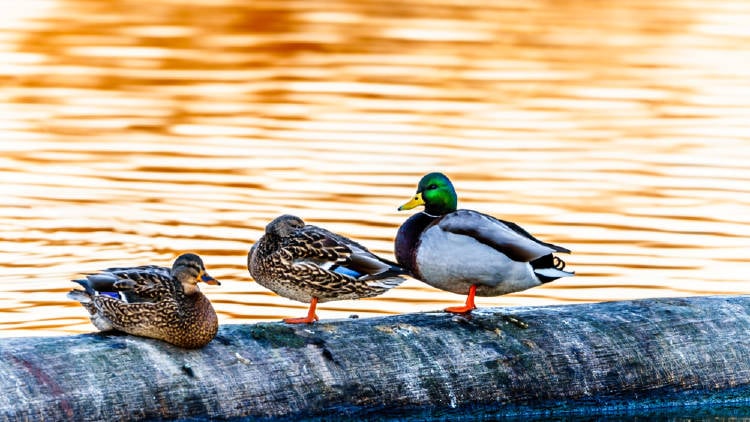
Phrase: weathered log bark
[578,358]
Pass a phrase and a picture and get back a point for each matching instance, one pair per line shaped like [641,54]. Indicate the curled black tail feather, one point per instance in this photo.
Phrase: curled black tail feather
[558,263]
[547,262]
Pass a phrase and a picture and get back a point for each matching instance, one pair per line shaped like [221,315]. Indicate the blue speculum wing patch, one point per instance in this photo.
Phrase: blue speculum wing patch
[347,271]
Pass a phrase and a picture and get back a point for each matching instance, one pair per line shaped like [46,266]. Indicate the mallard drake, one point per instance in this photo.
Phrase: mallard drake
[152,301]
[310,264]
[467,252]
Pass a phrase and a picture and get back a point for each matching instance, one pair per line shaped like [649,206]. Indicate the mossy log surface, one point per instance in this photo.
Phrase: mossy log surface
[570,359]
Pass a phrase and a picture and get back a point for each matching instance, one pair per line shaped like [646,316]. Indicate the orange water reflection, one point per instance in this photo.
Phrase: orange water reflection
[134,131]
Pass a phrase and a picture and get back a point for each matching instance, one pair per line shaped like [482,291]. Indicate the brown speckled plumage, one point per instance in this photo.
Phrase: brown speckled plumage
[152,301]
[301,261]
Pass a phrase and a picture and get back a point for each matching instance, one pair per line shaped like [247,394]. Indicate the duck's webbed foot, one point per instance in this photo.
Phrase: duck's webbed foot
[311,315]
[470,306]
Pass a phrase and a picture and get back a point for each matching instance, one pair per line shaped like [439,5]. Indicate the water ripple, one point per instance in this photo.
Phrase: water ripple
[134,132]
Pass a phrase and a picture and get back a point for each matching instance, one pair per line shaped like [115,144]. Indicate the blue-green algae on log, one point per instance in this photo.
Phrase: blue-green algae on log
[630,357]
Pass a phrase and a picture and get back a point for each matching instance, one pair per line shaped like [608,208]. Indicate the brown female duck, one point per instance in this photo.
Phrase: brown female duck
[310,264]
[152,301]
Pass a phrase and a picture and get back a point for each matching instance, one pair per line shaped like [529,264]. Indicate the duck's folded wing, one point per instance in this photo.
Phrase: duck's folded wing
[340,254]
[373,266]
[157,269]
[138,284]
[316,245]
[505,237]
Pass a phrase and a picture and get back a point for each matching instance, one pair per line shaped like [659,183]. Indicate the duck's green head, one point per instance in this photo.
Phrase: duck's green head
[435,191]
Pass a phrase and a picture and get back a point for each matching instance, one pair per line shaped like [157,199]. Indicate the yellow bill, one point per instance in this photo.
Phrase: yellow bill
[413,203]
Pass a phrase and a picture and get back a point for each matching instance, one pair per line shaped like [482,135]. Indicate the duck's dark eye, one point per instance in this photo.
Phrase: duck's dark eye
[432,186]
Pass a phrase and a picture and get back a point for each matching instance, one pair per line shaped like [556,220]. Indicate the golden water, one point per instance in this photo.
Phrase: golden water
[131,131]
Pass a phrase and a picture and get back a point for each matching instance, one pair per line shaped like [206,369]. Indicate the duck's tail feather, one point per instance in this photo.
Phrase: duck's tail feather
[393,270]
[549,268]
[546,275]
[90,291]
[389,278]
[385,281]
[86,300]
[79,296]
[373,267]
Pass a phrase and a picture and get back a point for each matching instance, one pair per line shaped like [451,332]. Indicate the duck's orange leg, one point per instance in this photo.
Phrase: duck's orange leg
[469,303]
[309,319]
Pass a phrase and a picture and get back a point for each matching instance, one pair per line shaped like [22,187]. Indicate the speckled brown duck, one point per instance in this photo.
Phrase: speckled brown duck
[310,264]
[152,301]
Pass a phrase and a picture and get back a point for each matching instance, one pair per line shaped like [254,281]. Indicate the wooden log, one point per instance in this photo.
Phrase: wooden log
[580,359]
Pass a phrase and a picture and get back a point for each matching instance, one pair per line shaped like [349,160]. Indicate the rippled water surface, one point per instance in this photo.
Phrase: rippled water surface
[132,131]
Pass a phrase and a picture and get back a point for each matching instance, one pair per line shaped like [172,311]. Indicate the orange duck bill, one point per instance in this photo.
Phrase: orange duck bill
[209,280]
